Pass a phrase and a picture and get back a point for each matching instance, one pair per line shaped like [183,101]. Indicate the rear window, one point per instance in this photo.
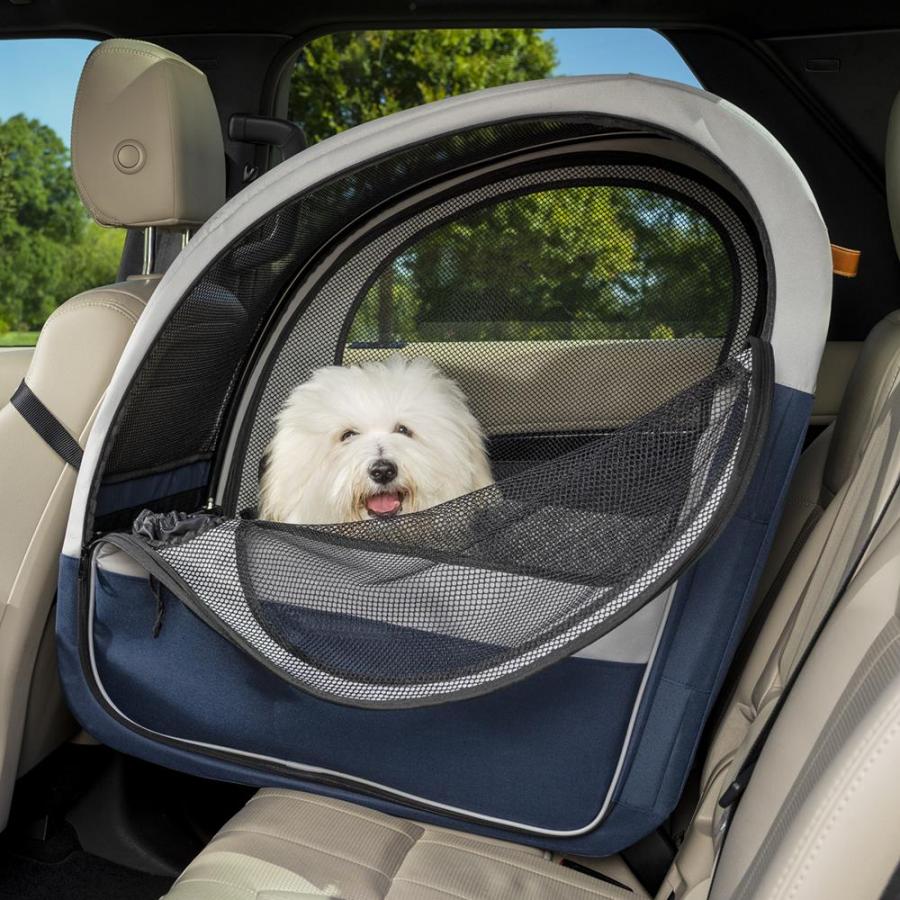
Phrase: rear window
[344,79]
[602,263]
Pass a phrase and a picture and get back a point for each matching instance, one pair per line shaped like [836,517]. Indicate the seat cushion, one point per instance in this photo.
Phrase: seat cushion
[286,845]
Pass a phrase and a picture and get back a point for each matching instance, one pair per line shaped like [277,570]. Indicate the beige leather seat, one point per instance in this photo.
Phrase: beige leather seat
[829,460]
[147,151]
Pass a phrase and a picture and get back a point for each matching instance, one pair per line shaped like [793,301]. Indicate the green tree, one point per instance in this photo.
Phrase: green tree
[345,79]
[604,262]
[49,247]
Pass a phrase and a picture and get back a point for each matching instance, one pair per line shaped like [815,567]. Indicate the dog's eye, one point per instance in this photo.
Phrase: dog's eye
[349,433]
[402,429]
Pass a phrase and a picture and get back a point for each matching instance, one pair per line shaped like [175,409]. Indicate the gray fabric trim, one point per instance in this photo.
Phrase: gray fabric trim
[800,246]
[876,673]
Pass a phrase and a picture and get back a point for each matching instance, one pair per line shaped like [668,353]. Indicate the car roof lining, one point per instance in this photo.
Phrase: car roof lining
[109,17]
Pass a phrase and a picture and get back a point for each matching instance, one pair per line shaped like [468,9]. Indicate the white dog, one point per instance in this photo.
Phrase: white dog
[371,441]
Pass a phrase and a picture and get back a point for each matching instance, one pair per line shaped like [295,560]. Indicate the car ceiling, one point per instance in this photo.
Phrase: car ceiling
[755,20]
[821,77]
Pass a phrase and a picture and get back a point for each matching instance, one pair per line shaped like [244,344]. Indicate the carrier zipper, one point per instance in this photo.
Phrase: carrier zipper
[264,768]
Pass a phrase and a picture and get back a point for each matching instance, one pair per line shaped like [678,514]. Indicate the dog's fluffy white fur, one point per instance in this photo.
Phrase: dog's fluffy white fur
[369,441]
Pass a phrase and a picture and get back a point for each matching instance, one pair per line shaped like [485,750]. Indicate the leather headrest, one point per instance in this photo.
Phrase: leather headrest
[146,139]
[874,377]
[892,170]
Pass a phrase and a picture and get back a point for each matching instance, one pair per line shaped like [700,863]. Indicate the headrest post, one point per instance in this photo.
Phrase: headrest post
[185,237]
[149,250]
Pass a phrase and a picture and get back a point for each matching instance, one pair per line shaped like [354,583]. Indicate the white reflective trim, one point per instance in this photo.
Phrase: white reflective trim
[402,795]
[800,246]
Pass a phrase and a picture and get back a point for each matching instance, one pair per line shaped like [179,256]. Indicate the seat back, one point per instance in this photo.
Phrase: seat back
[142,157]
[819,818]
[842,487]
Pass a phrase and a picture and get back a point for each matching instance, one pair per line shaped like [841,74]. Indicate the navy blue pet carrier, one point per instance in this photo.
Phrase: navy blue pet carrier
[630,281]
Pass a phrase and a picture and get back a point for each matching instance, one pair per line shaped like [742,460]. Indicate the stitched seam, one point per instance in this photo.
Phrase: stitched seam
[842,805]
[341,810]
[431,887]
[296,843]
[251,891]
[93,304]
[505,862]
[829,797]
[521,851]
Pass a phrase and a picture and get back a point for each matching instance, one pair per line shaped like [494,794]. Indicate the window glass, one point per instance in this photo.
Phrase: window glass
[594,263]
[50,249]
[579,263]
[350,77]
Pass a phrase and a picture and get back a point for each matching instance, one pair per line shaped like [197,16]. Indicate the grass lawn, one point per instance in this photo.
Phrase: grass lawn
[19,338]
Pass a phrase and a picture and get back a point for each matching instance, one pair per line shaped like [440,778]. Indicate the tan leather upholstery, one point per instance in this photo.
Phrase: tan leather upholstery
[289,846]
[14,362]
[828,462]
[874,376]
[811,582]
[820,817]
[74,359]
[838,360]
[146,140]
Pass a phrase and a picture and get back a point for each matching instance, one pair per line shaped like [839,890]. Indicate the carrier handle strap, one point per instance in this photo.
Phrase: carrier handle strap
[47,426]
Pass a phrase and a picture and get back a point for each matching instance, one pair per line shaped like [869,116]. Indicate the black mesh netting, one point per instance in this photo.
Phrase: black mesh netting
[595,306]
[466,596]
[635,229]
[566,297]
[188,378]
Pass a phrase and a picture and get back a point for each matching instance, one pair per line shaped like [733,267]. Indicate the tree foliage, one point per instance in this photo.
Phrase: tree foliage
[49,248]
[345,79]
[590,263]
[596,263]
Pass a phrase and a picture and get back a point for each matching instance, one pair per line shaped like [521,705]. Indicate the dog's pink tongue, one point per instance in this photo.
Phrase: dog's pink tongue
[383,504]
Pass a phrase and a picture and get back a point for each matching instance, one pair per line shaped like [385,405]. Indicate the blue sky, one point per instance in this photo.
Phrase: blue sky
[39,76]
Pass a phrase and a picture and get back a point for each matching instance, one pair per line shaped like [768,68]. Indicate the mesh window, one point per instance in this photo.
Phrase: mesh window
[482,590]
[187,381]
[564,299]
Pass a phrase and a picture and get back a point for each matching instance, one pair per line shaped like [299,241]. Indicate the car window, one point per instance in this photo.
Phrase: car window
[51,249]
[343,79]
[601,263]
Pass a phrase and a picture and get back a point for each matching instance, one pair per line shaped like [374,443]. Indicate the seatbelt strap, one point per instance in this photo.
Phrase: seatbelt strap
[733,793]
[47,426]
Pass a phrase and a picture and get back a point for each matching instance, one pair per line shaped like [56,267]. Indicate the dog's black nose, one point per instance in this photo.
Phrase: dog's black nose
[382,471]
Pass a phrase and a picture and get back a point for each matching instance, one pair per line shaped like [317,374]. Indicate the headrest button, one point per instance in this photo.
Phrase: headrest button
[128,157]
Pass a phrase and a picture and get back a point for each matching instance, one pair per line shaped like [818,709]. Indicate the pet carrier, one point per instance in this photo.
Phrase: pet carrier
[630,281]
